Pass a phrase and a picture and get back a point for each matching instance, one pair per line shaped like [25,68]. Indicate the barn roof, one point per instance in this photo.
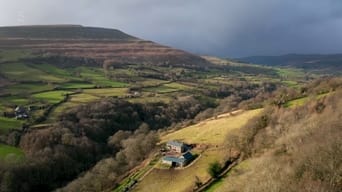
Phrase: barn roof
[173,159]
[181,159]
[187,156]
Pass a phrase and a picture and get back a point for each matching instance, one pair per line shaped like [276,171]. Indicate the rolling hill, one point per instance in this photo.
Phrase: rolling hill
[314,62]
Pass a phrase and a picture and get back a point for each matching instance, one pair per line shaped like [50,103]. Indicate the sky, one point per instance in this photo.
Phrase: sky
[226,28]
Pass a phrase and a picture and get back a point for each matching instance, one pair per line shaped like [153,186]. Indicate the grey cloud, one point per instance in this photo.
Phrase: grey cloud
[217,27]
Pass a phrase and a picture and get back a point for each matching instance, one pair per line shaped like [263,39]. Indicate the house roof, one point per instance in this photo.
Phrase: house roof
[175,143]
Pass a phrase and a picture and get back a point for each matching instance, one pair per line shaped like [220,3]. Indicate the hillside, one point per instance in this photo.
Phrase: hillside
[298,149]
[101,46]
[314,62]
[208,136]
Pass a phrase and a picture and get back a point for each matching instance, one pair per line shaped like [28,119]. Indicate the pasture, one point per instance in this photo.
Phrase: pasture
[26,88]
[10,154]
[51,97]
[171,180]
[106,92]
[9,123]
[25,72]
[212,131]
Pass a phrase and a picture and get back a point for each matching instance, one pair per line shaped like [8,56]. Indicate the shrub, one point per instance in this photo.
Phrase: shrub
[214,169]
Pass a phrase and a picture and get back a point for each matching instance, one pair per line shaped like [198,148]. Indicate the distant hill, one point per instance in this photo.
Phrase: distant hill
[98,44]
[323,63]
[62,32]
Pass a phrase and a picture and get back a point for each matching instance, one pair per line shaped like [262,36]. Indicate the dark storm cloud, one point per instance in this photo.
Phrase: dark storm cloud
[218,27]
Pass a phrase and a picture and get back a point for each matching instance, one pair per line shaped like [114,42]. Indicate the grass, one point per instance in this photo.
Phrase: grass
[106,92]
[14,100]
[23,72]
[24,88]
[170,180]
[238,169]
[97,76]
[152,99]
[13,55]
[76,85]
[88,95]
[161,89]
[83,98]
[51,69]
[296,102]
[9,123]
[167,88]
[52,97]
[301,101]
[10,154]
[211,131]
[74,100]
[152,82]
[290,73]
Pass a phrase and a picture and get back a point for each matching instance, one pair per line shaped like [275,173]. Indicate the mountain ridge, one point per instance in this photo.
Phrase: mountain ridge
[62,32]
[100,44]
[328,62]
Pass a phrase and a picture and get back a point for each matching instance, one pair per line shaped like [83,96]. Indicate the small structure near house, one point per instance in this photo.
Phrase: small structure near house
[180,161]
[20,113]
[176,146]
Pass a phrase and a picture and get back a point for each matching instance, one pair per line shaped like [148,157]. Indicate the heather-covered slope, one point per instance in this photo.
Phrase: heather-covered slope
[102,45]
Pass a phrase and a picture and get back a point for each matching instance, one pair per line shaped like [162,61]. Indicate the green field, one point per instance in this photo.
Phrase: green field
[24,72]
[9,123]
[10,154]
[97,77]
[167,88]
[76,85]
[106,92]
[14,100]
[25,88]
[52,97]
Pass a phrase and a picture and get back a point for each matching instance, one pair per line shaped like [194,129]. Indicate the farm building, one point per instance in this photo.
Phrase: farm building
[20,112]
[180,161]
[176,146]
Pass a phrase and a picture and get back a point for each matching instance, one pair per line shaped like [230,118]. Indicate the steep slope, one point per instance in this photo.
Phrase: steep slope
[98,44]
[329,63]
